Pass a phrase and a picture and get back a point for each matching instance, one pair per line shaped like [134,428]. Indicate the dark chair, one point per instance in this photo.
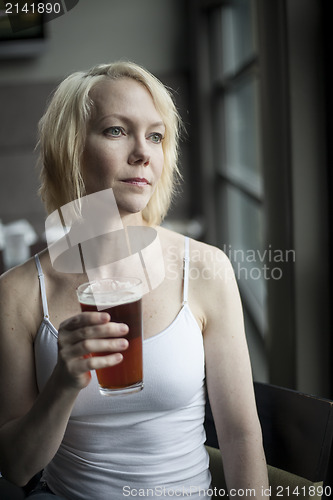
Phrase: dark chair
[9,491]
[297,434]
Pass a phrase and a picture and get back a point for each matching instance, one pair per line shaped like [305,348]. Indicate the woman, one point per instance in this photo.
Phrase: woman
[116,127]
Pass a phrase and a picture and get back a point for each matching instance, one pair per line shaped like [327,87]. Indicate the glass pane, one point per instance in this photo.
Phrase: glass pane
[245,247]
[257,350]
[237,35]
[240,120]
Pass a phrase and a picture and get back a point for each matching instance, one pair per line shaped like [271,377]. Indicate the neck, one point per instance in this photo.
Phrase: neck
[132,219]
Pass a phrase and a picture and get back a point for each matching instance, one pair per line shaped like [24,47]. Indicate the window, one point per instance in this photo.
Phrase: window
[259,132]
[237,153]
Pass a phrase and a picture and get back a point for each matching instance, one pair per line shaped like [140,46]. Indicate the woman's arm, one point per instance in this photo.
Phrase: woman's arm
[229,380]
[32,425]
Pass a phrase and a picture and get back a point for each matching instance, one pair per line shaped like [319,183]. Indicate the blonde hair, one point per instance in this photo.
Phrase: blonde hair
[62,133]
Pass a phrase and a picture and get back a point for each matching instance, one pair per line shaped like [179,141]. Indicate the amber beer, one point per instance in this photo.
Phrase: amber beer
[121,298]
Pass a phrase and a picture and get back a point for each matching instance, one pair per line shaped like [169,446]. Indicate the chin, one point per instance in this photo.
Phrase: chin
[131,207]
[131,211]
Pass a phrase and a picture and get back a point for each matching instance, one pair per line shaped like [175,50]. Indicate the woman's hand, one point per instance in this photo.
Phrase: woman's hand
[81,335]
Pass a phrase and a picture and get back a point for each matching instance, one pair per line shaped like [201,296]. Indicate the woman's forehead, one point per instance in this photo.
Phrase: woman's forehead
[122,95]
[122,87]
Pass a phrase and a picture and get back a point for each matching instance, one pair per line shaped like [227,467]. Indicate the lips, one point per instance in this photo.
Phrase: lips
[137,181]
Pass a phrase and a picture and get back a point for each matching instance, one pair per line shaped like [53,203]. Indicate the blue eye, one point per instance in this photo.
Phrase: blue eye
[114,131]
[156,138]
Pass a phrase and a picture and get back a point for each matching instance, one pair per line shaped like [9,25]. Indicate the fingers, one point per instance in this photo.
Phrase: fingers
[85,319]
[84,334]
[97,346]
[91,332]
[98,362]
[89,325]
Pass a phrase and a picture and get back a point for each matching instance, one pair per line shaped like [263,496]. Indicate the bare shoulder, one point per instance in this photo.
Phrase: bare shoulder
[210,266]
[213,287]
[20,297]
[207,255]
[201,254]
[19,320]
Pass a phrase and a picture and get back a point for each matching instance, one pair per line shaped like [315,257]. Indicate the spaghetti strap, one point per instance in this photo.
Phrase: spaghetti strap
[42,286]
[186,269]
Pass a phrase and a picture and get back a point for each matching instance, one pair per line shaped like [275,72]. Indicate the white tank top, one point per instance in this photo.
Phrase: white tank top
[148,444]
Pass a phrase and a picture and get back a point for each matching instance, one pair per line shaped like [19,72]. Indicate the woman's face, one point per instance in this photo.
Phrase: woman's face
[123,148]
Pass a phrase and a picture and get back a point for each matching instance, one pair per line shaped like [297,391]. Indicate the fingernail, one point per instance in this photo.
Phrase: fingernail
[123,328]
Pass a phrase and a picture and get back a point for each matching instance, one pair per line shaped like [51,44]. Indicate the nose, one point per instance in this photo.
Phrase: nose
[139,154]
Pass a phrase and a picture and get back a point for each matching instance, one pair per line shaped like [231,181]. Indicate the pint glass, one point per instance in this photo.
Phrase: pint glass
[122,299]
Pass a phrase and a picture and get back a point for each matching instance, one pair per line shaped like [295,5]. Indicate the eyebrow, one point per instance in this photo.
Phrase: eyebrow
[128,120]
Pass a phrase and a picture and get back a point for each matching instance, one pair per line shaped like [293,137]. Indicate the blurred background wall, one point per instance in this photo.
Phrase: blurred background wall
[252,84]
[150,33]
